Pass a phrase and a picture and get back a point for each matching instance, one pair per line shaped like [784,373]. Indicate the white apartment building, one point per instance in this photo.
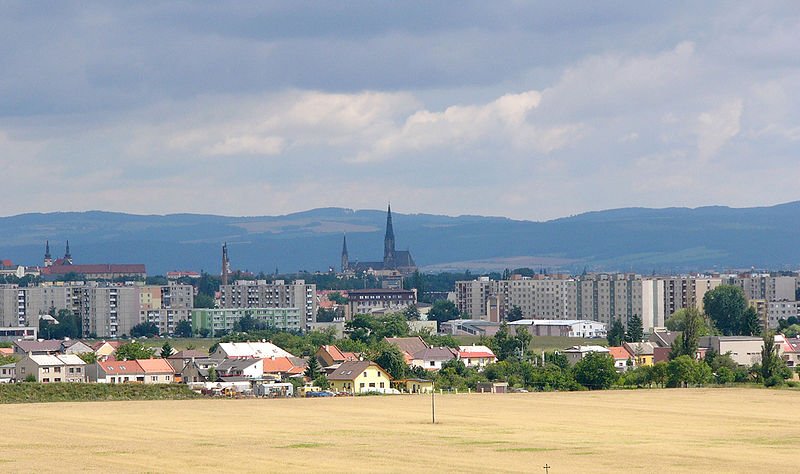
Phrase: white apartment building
[277,294]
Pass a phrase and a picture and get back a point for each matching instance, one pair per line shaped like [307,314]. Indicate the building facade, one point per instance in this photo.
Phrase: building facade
[277,294]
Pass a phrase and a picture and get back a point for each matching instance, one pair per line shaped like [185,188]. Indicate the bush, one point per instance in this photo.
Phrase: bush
[72,392]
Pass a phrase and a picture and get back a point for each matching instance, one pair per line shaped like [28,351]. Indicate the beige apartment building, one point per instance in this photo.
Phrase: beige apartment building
[277,294]
[166,306]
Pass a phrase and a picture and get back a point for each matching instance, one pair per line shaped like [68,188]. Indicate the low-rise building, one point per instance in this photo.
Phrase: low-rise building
[248,350]
[379,299]
[360,377]
[432,358]
[622,358]
[744,350]
[576,353]
[641,352]
[562,328]
[476,356]
[51,368]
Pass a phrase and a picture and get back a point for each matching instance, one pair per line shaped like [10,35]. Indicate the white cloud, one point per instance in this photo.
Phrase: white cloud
[716,127]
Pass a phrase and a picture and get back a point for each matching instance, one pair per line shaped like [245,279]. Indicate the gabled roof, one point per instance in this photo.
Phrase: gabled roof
[259,350]
[664,338]
[475,352]
[435,353]
[641,348]
[155,366]
[99,344]
[50,345]
[121,367]
[409,345]
[619,353]
[351,370]
[58,359]
[229,365]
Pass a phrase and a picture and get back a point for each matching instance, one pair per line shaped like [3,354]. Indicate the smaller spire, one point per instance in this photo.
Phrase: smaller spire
[67,255]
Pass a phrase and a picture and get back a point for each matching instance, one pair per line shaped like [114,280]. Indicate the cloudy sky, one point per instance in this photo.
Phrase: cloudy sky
[523,109]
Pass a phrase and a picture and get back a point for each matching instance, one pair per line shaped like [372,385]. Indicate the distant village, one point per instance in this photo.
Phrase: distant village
[110,323]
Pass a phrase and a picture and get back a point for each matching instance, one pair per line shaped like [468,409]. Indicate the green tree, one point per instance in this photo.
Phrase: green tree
[411,313]
[687,342]
[183,329]
[514,314]
[212,374]
[166,350]
[726,306]
[659,374]
[389,357]
[635,332]
[677,321]
[337,298]
[325,315]
[595,371]
[322,382]
[616,333]
[312,369]
[772,366]
[684,370]
[133,350]
[443,310]
[148,329]
[751,324]
[203,300]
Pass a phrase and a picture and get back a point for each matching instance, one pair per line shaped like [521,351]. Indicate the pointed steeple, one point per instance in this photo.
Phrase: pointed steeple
[226,264]
[345,256]
[67,255]
[388,241]
[48,259]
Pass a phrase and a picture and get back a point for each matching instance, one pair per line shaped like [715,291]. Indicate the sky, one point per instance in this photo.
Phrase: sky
[530,110]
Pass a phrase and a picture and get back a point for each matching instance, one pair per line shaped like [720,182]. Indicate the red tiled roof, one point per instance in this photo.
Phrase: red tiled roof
[128,268]
[155,366]
[619,352]
[121,367]
[475,355]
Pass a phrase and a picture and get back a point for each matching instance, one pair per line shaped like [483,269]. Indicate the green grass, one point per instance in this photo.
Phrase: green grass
[77,392]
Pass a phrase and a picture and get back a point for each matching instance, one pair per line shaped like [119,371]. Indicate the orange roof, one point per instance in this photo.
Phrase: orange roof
[277,365]
[152,366]
[350,356]
[121,367]
[7,350]
[619,352]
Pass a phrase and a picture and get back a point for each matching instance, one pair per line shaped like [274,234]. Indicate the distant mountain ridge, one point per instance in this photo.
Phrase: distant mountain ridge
[628,239]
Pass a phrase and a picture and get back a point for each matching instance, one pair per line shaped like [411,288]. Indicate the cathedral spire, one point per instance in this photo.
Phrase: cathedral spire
[388,241]
[48,259]
[67,255]
[345,256]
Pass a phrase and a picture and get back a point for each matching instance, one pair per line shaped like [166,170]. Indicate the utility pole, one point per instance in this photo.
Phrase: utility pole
[433,403]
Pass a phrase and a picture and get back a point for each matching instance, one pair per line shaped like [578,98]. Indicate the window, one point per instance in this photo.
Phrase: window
[433,364]
[381,384]
[57,379]
[45,380]
[372,384]
[154,378]
[362,384]
[57,370]
[46,370]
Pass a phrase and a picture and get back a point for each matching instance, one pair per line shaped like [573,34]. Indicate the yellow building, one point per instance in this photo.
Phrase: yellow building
[642,353]
[360,376]
[415,385]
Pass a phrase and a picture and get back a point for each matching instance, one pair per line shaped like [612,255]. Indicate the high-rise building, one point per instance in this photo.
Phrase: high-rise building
[277,294]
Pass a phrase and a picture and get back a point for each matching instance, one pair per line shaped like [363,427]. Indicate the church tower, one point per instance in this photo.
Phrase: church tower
[48,259]
[345,256]
[388,242]
[226,264]
[67,256]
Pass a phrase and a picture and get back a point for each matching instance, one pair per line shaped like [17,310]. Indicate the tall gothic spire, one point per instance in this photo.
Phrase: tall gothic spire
[345,256]
[48,259]
[67,255]
[226,264]
[388,241]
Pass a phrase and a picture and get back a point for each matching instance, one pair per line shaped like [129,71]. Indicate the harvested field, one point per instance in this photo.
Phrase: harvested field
[680,430]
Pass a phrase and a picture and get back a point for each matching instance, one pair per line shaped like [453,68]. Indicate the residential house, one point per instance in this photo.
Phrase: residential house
[7,372]
[641,352]
[744,350]
[476,356]
[432,358]
[622,358]
[105,349]
[791,352]
[43,347]
[408,345]
[179,359]
[414,385]
[116,371]
[576,353]
[663,338]
[157,370]
[281,368]
[239,369]
[248,350]
[330,356]
[75,347]
[51,368]
[360,377]
[197,370]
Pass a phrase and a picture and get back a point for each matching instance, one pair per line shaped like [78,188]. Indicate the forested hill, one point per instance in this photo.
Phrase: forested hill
[638,239]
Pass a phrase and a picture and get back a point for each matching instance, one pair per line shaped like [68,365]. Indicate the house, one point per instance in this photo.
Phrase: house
[414,385]
[7,372]
[576,353]
[157,371]
[105,349]
[116,371]
[75,347]
[361,376]
[408,345]
[622,358]
[179,359]
[491,387]
[329,355]
[51,368]
[432,358]
[197,370]
[42,347]
[744,350]
[476,356]
[791,351]
[641,352]
[662,337]
[248,350]
[240,369]
[283,367]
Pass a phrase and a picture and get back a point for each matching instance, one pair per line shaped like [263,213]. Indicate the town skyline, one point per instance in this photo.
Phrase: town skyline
[482,109]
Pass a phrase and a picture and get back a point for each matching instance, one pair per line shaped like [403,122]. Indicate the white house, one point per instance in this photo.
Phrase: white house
[432,358]
[51,368]
[476,356]
[248,350]
[576,353]
[244,368]
[562,327]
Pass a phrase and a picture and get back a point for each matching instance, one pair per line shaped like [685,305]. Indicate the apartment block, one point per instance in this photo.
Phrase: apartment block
[219,320]
[277,294]
[765,287]
[166,306]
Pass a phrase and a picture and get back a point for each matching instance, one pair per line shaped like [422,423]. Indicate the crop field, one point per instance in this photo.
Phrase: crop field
[679,430]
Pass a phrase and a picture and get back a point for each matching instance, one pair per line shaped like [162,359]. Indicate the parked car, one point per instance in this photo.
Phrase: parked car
[321,393]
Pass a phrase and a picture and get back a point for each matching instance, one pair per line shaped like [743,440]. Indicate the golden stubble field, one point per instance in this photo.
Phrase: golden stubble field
[681,430]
